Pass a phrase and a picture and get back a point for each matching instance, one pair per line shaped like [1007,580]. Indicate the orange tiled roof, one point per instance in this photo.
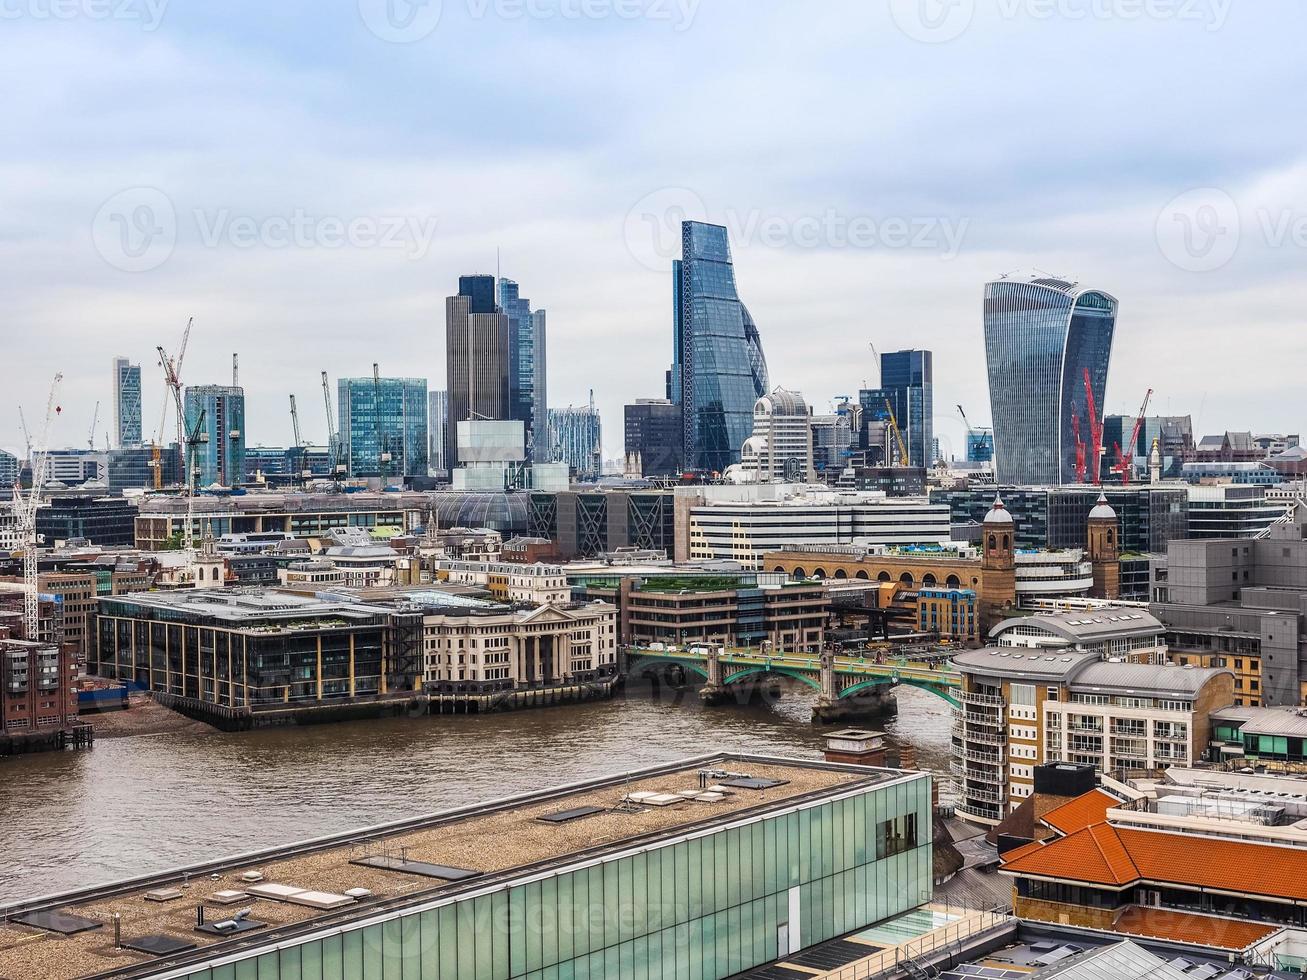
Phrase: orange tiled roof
[1107,855]
[1200,930]
[1082,812]
[1024,849]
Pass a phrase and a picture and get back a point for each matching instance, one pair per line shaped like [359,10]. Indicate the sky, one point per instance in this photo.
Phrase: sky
[309,179]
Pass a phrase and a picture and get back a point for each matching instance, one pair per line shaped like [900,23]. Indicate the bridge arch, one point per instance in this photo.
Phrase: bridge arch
[760,670]
[936,689]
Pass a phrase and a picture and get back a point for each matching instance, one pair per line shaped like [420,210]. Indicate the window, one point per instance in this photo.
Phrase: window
[896,835]
[1022,694]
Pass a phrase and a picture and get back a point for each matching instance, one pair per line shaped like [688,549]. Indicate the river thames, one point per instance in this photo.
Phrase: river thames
[148,803]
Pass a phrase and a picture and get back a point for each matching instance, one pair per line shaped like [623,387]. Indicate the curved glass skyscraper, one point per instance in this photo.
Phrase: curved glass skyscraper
[719,369]
[1041,335]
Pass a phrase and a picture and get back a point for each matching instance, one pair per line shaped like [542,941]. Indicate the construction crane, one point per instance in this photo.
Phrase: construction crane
[1095,431]
[27,436]
[25,516]
[95,419]
[338,468]
[304,473]
[1125,459]
[898,435]
[172,378]
[1080,447]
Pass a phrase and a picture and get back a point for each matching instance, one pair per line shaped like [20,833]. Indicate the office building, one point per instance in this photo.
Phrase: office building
[216,413]
[1042,337]
[833,439]
[577,438]
[8,469]
[1024,705]
[653,439]
[907,380]
[718,371]
[744,523]
[492,457]
[527,389]
[1172,434]
[437,431]
[478,359]
[133,469]
[587,523]
[1242,601]
[1231,511]
[601,878]
[780,448]
[93,516]
[980,445]
[383,427]
[126,404]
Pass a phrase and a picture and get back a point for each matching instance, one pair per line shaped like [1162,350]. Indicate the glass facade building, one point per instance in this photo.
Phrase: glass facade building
[1041,337]
[527,391]
[126,403]
[578,440]
[907,378]
[701,905]
[220,455]
[383,426]
[719,371]
[438,423]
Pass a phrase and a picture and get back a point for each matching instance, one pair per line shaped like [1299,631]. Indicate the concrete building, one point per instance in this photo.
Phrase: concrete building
[1244,602]
[126,404]
[744,523]
[478,358]
[493,457]
[1230,511]
[1112,634]
[217,414]
[1021,710]
[761,858]
[38,695]
[716,609]
[780,448]
[653,438]
[587,523]
[536,584]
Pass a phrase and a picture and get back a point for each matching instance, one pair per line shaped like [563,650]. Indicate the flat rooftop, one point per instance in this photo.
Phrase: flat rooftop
[496,842]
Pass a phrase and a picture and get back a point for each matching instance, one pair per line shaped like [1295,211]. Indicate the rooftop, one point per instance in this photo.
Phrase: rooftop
[1079,626]
[476,847]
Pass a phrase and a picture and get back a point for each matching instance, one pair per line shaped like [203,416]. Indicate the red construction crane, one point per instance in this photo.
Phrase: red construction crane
[1080,448]
[1125,460]
[1095,431]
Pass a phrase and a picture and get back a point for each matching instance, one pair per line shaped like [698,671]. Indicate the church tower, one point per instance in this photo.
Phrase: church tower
[1105,550]
[998,566]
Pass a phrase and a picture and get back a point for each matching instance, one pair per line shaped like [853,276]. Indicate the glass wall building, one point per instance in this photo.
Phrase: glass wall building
[383,426]
[1041,337]
[907,377]
[689,893]
[719,371]
[126,403]
[578,440]
[527,392]
[220,455]
[437,422]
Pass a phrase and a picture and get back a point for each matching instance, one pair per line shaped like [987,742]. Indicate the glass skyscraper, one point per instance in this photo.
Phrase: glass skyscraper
[126,403]
[527,396]
[220,455]
[578,440]
[907,380]
[379,418]
[1041,336]
[437,426]
[719,370]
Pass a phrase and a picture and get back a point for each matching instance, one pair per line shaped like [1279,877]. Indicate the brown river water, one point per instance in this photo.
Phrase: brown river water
[136,805]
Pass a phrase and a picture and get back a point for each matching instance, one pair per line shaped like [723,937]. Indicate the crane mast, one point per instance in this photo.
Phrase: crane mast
[172,378]
[898,435]
[25,516]
[333,442]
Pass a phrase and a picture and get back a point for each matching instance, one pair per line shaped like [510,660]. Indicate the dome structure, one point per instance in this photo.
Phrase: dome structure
[1102,510]
[998,514]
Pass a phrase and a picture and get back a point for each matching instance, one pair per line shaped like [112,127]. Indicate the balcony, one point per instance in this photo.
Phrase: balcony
[986,795]
[985,738]
[983,757]
[989,721]
[984,700]
[989,814]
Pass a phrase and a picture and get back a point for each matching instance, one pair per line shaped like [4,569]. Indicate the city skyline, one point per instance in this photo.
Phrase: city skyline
[1088,211]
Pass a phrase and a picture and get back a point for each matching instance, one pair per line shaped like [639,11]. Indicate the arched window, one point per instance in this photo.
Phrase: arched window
[953,581]
[883,577]
[1007,542]
[928,580]
[993,542]
[800,573]
[862,575]
[215,574]
[906,578]
[841,573]
[819,573]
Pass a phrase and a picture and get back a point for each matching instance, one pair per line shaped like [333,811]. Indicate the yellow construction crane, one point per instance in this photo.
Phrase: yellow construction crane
[898,435]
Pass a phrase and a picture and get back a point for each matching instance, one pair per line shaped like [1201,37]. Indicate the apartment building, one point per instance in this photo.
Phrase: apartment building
[1025,707]
[536,584]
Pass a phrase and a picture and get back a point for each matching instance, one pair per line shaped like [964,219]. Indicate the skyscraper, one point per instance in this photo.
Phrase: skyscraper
[383,426]
[437,423]
[719,371]
[1041,338]
[653,438]
[126,403]
[578,440]
[477,357]
[526,369]
[219,456]
[907,378]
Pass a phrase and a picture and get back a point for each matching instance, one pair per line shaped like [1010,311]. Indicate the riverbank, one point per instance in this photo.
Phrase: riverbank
[144,716]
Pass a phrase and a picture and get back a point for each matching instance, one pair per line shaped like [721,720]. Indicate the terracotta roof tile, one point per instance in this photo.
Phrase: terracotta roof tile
[1082,812]
[1184,927]
[1107,855]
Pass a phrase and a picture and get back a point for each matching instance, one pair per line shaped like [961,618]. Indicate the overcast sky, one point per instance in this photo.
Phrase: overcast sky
[308,180]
